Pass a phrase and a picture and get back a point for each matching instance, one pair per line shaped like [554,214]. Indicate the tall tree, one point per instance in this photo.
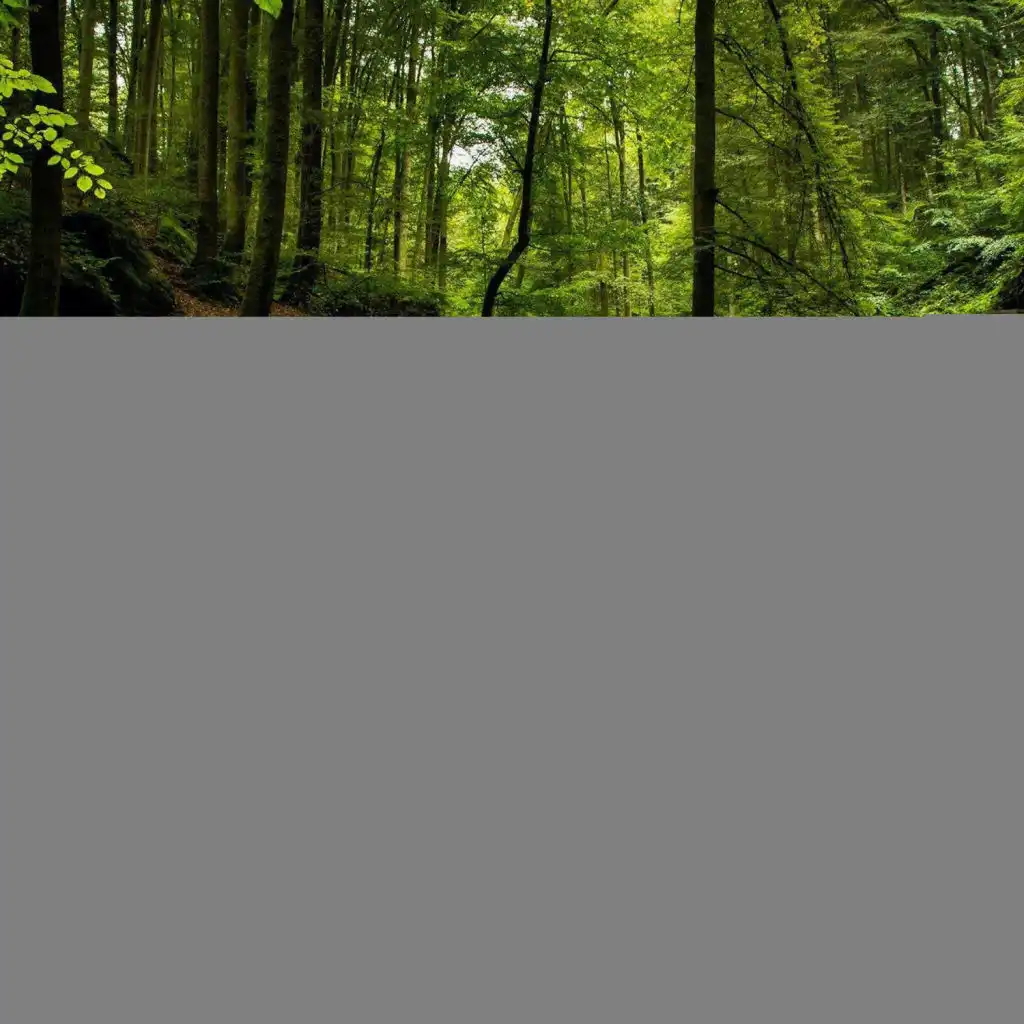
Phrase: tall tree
[86,58]
[146,91]
[209,106]
[112,29]
[239,139]
[526,208]
[307,254]
[705,194]
[259,292]
[42,284]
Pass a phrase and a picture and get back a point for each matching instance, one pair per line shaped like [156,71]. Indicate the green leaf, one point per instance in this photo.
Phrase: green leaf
[53,161]
[94,169]
[84,183]
[64,162]
[75,154]
[105,184]
[100,193]
[70,173]
[50,134]
[272,7]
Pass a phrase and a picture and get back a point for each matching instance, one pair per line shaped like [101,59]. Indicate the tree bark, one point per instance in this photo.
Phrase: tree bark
[307,256]
[145,126]
[209,102]
[85,63]
[112,26]
[259,292]
[42,284]
[403,154]
[526,210]
[648,257]
[239,140]
[705,194]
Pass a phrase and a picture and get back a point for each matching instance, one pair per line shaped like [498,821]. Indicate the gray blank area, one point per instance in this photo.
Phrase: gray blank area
[512,678]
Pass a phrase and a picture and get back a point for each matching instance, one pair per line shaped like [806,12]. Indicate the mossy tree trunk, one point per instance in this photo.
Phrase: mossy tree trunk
[209,100]
[259,292]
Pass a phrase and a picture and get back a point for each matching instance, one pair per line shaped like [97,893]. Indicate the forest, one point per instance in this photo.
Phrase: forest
[531,158]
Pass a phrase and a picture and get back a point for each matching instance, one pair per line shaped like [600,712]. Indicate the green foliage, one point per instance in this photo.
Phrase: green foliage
[43,127]
[361,294]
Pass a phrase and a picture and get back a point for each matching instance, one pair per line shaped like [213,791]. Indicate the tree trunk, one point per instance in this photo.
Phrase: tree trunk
[85,64]
[16,45]
[403,154]
[938,123]
[239,140]
[620,153]
[112,27]
[259,293]
[131,114]
[526,210]
[145,102]
[209,102]
[705,194]
[307,255]
[42,284]
[648,257]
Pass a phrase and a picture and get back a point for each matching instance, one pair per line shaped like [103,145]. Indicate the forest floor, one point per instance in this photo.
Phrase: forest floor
[188,303]
[194,305]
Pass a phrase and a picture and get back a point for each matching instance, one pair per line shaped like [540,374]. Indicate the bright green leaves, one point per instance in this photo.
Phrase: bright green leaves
[272,7]
[42,127]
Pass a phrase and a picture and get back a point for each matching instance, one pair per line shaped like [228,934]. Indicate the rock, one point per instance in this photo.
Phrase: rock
[106,268]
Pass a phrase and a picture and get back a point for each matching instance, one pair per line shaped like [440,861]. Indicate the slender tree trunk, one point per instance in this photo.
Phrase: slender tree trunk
[209,103]
[938,122]
[705,194]
[112,29]
[403,154]
[131,114]
[307,255]
[259,294]
[235,197]
[42,284]
[251,102]
[526,210]
[620,153]
[85,64]
[648,257]
[145,126]
[378,153]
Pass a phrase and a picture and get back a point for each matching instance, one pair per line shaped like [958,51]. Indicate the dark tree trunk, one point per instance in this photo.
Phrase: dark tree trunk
[209,103]
[526,210]
[259,292]
[235,195]
[705,195]
[307,255]
[112,69]
[42,284]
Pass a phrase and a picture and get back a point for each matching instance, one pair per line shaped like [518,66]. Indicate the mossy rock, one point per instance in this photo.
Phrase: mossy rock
[173,241]
[106,270]
[140,288]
